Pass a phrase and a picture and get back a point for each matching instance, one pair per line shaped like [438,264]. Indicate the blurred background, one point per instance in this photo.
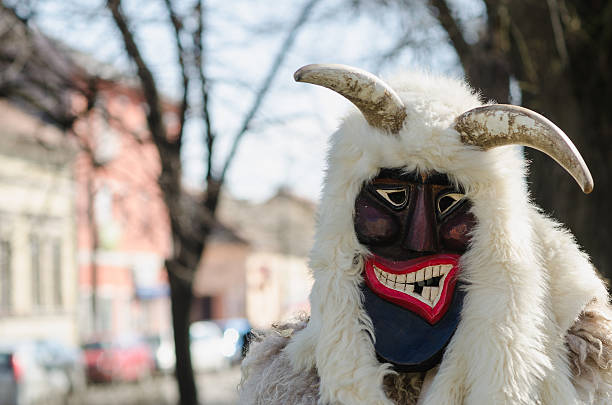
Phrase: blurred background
[160,170]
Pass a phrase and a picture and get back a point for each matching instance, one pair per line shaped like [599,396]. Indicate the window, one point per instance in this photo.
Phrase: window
[56,251]
[35,271]
[107,144]
[103,205]
[105,314]
[6,296]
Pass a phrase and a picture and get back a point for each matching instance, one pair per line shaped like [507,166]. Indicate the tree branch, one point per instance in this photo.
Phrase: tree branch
[265,87]
[36,74]
[154,113]
[451,26]
[199,62]
[555,20]
[178,26]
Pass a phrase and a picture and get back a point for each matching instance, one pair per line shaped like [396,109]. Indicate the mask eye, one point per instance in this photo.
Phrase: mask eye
[447,202]
[396,197]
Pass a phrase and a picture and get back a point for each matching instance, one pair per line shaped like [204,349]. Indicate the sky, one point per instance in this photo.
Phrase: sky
[287,143]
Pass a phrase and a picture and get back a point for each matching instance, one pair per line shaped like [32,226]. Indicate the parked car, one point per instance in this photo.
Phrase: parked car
[209,350]
[24,379]
[64,358]
[235,330]
[121,360]
[162,347]
[214,345]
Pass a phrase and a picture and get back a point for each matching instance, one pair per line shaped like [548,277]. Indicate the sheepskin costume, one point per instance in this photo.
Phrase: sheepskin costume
[535,326]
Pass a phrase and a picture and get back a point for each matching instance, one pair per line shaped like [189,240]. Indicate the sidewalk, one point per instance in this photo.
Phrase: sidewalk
[216,388]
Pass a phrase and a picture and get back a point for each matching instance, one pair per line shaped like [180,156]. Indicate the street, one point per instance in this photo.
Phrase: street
[215,388]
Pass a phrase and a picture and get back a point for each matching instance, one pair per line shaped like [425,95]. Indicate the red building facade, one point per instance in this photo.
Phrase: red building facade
[123,233]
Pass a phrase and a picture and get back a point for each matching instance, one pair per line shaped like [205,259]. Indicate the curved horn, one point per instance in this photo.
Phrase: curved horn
[378,103]
[502,124]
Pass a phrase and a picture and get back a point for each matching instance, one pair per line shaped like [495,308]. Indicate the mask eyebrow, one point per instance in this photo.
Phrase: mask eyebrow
[437,178]
[391,175]
[395,174]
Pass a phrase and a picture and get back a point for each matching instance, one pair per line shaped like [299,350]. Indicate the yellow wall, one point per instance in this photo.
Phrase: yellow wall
[277,287]
[37,198]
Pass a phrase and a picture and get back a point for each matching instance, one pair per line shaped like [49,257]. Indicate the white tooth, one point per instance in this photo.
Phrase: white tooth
[420,275]
[388,284]
[401,278]
[426,292]
[410,277]
[409,288]
[446,268]
[434,293]
[428,273]
[436,271]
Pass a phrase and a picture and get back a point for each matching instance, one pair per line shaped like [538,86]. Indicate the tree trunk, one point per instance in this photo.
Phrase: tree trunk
[191,222]
[560,54]
[181,298]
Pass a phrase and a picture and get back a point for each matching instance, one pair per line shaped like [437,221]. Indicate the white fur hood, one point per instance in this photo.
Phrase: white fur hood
[527,281]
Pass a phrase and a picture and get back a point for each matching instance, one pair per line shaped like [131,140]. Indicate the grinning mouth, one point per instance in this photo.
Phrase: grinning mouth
[424,285]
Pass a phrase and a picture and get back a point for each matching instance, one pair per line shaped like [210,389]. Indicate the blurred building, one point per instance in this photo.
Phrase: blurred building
[38,272]
[261,272]
[123,233]
[83,227]
[220,282]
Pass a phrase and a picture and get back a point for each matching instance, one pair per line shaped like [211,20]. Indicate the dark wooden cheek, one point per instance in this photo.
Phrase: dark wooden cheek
[454,232]
[373,225]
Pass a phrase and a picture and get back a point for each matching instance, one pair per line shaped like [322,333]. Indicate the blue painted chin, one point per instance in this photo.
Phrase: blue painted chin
[406,340]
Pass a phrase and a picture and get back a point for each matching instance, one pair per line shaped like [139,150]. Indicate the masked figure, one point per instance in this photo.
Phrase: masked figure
[436,280]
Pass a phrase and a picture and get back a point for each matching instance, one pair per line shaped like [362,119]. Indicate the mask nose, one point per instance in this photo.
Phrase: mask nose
[421,235]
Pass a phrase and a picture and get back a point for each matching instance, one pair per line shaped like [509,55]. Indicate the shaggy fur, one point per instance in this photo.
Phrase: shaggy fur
[527,280]
[268,377]
[590,344]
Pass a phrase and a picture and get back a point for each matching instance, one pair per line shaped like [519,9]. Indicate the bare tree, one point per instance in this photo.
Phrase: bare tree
[558,56]
[37,75]
[191,219]
[40,77]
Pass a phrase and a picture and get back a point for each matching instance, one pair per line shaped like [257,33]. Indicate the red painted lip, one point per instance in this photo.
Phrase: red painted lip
[447,284]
